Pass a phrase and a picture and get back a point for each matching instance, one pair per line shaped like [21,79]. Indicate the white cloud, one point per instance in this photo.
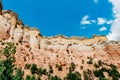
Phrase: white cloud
[85,20]
[109,22]
[101,21]
[103,28]
[96,1]
[115,28]
[93,21]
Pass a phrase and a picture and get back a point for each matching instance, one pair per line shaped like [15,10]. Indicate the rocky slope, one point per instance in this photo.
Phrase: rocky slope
[32,47]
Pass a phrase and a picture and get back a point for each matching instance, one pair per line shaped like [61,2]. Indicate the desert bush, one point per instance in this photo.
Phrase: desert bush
[96,65]
[85,75]
[55,78]
[42,71]
[72,67]
[33,68]
[8,64]
[27,66]
[83,61]
[90,61]
[73,76]
[50,69]
[18,74]
[99,73]
[59,67]
[81,67]
[99,62]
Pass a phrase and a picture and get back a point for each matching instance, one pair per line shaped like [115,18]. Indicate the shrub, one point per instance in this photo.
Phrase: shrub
[78,75]
[89,71]
[113,66]
[81,67]
[59,67]
[90,61]
[114,77]
[82,61]
[41,71]
[6,52]
[96,65]
[72,67]
[55,78]
[51,69]
[85,76]
[8,64]
[33,77]
[73,76]
[100,62]
[44,71]
[104,69]
[2,67]
[33,68]
[9,50]
[27,77]
[27,66]
[96,73]
[19,74]
[38,78]
[114,73]
[99,73]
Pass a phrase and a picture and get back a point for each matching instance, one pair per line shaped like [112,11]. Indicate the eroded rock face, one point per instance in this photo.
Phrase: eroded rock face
[34,40]
[13,30]
[18,34]
[4,28]
[45,51]
[57,52]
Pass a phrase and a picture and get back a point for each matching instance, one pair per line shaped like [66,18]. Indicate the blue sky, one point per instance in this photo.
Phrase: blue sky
[67,17]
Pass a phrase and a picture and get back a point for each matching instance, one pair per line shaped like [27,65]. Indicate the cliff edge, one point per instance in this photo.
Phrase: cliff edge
[71,58]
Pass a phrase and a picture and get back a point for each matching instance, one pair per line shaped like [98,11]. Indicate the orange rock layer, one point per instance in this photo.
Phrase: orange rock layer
[32,47]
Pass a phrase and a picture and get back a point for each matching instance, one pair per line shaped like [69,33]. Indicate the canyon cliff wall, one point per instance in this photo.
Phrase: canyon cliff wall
[32,47]
[13,29]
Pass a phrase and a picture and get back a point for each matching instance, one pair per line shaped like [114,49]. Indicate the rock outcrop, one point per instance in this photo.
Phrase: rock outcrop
[32,47]
[12,29]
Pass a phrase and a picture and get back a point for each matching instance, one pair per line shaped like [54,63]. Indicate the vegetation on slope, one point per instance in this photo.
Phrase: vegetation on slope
[8,71]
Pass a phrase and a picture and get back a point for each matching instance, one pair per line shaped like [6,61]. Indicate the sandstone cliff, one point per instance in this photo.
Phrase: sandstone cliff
[32,47]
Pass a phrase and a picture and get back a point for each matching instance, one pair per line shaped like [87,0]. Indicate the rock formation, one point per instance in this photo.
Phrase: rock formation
[0,7]
[32,47]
